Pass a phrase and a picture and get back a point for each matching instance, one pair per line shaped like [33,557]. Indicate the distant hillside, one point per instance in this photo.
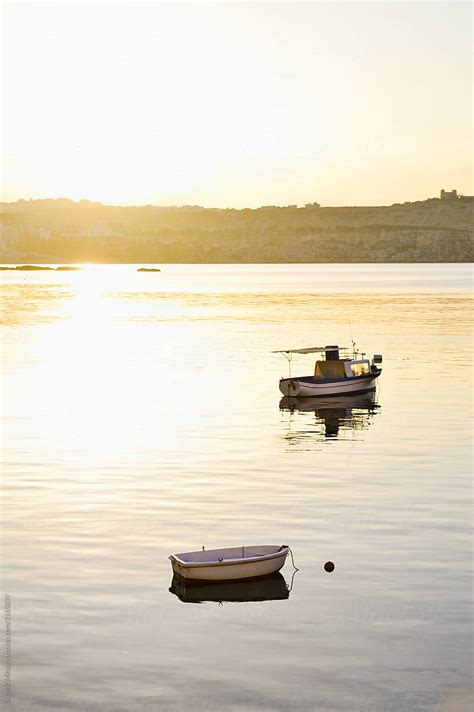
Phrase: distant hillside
[49,231]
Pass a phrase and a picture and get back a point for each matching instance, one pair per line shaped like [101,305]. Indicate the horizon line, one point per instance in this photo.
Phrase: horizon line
[204,207]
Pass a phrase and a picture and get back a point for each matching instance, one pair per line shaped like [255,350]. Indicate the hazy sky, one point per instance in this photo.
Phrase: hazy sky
[237,104]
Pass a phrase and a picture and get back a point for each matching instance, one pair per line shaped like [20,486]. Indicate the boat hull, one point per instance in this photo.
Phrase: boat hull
[306,386]
[229,569]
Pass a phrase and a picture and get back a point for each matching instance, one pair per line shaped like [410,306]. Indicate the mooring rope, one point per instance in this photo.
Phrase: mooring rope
[295,569]
[292,579]
[292,559]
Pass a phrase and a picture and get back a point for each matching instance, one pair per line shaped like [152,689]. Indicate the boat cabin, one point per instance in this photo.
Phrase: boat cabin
[342,368]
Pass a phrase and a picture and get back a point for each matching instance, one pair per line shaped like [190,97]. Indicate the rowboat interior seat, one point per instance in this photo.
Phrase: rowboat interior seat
[238,552]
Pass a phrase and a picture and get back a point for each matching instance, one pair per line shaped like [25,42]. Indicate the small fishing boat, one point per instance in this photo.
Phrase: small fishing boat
[267,588]
[240,562]
[351,372]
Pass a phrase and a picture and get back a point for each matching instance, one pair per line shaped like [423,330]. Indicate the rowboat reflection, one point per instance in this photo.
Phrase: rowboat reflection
[333,415]
[270,588]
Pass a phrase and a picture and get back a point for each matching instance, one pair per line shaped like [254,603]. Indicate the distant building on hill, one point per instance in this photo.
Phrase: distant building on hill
[449,194]
[9,236]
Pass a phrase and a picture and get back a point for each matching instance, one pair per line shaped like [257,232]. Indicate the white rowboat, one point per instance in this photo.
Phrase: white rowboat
[236,563]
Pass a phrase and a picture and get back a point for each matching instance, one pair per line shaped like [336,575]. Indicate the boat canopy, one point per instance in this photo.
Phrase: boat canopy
[312,350]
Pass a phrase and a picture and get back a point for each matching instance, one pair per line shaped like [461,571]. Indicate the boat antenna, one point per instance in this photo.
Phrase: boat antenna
[352,339]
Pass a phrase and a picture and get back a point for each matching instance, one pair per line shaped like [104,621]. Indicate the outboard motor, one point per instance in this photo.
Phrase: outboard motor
[332,353]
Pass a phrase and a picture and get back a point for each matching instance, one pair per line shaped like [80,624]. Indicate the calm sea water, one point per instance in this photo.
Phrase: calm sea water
[141,416]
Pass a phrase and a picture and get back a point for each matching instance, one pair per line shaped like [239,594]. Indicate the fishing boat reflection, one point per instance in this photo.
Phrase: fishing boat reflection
[270,588]
[334,416]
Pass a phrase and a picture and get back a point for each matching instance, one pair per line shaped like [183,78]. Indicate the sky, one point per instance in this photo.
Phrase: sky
[236,104]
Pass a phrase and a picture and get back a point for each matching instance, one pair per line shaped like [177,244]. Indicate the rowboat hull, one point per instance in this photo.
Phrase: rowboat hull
[233,564]
[306,386]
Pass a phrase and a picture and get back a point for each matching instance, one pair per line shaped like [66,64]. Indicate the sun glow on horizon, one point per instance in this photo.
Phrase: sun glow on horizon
[237,104]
